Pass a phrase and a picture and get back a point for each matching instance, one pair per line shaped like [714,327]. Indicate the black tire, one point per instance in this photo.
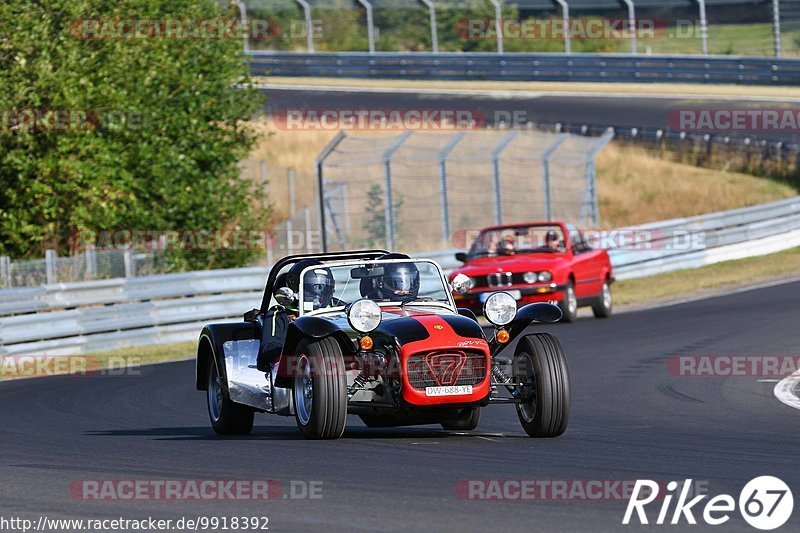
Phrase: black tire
[539,362]
[604,305]
[467,420]
[320,390]
[227,417]
[569,305]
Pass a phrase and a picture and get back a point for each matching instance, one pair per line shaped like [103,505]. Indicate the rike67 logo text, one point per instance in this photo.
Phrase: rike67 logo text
[765,503]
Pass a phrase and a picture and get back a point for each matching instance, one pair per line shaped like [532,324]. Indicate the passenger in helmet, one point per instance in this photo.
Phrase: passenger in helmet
[399,282]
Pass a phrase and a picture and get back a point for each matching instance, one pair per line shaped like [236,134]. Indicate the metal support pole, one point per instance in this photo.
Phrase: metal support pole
[91,262]
[127,258]
[776,22]
[632,24]
[591,173]
[498,25]
[548,201]
[5,271]
[290,220]
[389,196]
[370,26]
[318,168]
[264,181]
[449,147]
[498,190]
[565,15]
[703,26]
[243,17]
[434,32]
[309,28]
[307,232]
[50,266]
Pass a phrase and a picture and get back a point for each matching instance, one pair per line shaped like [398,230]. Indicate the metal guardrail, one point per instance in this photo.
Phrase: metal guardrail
[81,317]
[531,67]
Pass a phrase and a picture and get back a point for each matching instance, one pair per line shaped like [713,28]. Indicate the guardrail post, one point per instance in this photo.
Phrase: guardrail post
[565,16]
[434,31]
[309,28]
[548,202]
[776,25]
[703,26]
[389,196]
[50,266]
[498,191]
[5,271]
[498,25]
[319,170]
[632,24]
[443,184]
[370,25]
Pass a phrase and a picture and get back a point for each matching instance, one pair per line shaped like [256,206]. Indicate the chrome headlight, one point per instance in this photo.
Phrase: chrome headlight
[545,276]
[364,316]
[530,277]
[500,308]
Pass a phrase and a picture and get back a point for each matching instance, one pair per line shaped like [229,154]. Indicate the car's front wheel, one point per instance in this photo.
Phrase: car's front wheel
[466,420]
[320,389]
[604,306]
[540,367]
[569,305]
[227,417]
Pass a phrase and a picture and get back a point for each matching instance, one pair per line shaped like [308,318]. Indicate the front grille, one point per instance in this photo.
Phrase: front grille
[499,280]
[444,368]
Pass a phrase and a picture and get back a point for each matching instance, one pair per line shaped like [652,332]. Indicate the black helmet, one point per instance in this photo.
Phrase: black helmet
[318,284]
[400,281]
[551,236]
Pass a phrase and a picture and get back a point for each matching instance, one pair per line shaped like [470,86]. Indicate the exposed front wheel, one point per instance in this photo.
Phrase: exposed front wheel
[320,390]
[569,305]
[604,305]
[227,417]
[541,368]
[467,420]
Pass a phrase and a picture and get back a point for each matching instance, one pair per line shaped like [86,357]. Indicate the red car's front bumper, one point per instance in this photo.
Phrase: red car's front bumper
[540,293]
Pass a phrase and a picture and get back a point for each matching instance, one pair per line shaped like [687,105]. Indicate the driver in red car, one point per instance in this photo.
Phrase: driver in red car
[553,242]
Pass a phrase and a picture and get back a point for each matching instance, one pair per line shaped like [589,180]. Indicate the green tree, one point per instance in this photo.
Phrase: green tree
[375,222]
[168,158]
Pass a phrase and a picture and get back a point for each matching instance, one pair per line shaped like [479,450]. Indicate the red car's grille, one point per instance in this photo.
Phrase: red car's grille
[445,368]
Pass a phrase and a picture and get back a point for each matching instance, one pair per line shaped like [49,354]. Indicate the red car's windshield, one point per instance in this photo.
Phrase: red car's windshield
[546,238]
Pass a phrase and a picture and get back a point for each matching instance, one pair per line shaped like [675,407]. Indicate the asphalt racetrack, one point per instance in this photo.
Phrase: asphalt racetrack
[630,420]
[628,111]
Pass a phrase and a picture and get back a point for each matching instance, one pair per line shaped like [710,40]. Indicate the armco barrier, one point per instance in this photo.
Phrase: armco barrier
[82,317]
[531,67]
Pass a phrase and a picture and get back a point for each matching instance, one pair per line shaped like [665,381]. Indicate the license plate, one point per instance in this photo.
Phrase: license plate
[517,295]
[453,390]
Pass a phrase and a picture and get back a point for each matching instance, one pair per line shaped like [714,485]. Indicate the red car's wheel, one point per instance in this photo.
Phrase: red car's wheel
[569,305]
[604,305]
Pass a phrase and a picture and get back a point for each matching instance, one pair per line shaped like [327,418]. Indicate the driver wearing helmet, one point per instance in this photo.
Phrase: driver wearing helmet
[399,282]
[318,289]
[552,241]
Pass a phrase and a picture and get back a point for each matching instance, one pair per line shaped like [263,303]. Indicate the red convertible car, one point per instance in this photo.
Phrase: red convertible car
[538,262]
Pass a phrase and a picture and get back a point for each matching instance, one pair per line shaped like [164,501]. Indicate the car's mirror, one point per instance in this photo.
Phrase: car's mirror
[251,315]
[285,297]
[461,256]
[460,284]
[364,272]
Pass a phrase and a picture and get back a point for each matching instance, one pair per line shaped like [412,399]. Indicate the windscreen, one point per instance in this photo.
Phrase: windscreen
[517,240]
[382,281]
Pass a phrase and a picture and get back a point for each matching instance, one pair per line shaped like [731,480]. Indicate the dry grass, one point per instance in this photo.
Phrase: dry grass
[610,89]
[635,186]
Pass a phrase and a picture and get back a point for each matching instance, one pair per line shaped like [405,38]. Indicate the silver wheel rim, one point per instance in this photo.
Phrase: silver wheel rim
[572,302]
[214,393]
[528,410]
[303,391]
[606,296]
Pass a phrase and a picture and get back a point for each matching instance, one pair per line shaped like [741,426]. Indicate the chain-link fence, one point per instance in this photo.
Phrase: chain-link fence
[423,191]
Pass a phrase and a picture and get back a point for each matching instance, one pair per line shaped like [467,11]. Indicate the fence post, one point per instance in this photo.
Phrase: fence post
[498,21]
[370,25]
[307,233]
[309,28]
[130,267]
[289,221]
[91,262]
[434,31]
[548,201]
[565,16]
[632,24]
[5,271]
[264,185]
[50,258]
[389,196]
[776,28]
[703,26]
[498,192]
[591,174]
[319,163]
[443,184]
[243,16]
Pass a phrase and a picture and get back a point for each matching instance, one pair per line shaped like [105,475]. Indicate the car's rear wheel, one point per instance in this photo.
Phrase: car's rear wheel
[227,417]
[467,420]
[604,305]
[320,390]
[541,368]
[569,305]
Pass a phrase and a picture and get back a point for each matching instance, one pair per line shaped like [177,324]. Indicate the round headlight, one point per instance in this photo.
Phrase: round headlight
[545,276]
[364,316]
[530,277]
[500,308]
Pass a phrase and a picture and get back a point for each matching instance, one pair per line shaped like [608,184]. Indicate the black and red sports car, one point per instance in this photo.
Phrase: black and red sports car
[379,335]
